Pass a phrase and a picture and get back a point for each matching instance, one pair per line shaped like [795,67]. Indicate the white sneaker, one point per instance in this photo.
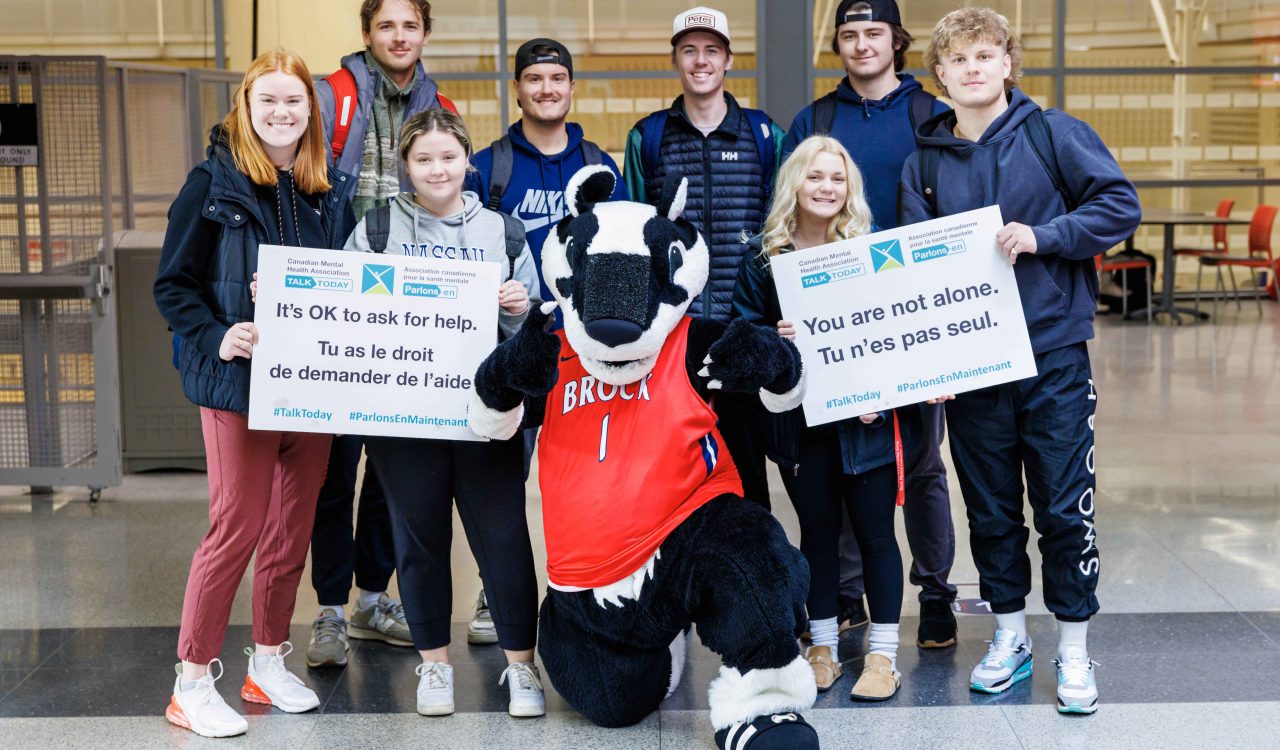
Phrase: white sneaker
[201,709]
[1077,685]
[525,688]
[435,688]
[276,686]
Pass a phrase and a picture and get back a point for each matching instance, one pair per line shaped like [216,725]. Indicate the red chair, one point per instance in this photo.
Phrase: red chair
[1219,235]
[1258,259]
[1106,264]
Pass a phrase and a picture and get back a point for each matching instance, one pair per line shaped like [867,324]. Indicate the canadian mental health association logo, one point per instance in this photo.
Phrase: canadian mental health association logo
[378,280]
[886,256]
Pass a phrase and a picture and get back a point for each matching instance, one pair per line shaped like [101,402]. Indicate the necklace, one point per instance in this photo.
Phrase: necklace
[293,205]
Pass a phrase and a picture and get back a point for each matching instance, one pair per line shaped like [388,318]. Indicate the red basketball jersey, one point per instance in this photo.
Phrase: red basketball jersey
[621,466]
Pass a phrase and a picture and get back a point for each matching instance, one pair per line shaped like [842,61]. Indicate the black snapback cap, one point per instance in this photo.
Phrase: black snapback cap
[881,10]
[555,53]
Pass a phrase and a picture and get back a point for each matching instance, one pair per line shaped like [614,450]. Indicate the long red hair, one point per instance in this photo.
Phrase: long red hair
[309,166]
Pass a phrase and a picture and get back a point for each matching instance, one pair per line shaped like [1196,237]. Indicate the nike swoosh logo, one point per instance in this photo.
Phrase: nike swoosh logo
[531,223]
[566,359]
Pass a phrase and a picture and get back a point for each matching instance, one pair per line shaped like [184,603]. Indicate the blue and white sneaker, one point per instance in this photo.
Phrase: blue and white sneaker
[1077,687]
[1007,662]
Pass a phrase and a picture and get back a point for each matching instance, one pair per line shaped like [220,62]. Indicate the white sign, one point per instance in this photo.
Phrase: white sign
[19,156]
[365,344]
[898,317]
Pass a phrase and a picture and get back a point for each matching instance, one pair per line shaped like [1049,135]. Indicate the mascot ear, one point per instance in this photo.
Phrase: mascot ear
[675,191]
[589,186]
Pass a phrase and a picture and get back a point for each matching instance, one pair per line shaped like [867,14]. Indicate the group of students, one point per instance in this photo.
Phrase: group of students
[295,163]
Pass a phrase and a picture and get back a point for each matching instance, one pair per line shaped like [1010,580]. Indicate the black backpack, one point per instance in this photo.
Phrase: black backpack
[377,226]
[1037,132]
[920,108]
[504,161]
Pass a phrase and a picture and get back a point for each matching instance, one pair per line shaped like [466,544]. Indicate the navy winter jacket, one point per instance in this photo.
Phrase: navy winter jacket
[421,97]
[535,193]
[878,135]
[1058,284]
[863,447]
[728,190]
[210,254]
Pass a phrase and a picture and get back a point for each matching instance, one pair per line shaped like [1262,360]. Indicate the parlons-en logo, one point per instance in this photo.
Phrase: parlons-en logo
[886,256]
[432,291]
[378,280]
[299,281]
[933,252]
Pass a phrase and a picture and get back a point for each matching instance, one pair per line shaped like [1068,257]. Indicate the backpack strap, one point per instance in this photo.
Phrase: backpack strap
[344,108]
[591,153]
[651,141]
[762,131]
[1037,132]
[824,114]
[929,175]
[500,174]
[920,108]
[377,227]
[446,103]
[514,232]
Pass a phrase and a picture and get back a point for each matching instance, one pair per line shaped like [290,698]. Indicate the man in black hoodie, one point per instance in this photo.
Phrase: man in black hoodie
[1066,201]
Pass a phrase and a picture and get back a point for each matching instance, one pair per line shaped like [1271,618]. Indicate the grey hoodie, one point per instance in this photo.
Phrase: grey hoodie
[475,233]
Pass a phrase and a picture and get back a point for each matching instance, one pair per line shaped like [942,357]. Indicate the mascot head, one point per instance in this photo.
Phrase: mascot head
[622,273]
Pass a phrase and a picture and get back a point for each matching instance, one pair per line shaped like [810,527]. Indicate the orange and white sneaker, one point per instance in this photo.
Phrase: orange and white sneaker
[201,709]
[276,686]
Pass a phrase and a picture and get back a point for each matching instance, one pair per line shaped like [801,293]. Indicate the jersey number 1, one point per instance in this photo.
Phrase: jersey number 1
[604,438]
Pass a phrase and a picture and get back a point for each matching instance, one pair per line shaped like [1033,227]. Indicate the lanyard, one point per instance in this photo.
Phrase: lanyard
[897,457]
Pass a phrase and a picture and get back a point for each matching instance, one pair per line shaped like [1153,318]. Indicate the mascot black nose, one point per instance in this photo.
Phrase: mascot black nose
[613,332]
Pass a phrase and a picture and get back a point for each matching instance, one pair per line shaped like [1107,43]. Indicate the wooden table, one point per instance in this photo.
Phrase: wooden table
[1170,219]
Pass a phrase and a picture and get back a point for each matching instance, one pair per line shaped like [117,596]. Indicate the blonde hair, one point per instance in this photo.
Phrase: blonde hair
[854,218]
[432,120]
[966,26]
[310,170]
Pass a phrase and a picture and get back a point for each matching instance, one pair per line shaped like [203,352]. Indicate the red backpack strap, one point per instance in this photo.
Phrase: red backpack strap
[446,103]
[344,108]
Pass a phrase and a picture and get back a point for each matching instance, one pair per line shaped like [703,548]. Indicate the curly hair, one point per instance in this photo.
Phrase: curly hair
[966,26]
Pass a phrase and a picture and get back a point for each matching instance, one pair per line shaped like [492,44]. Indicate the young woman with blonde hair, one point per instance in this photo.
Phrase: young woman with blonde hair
[848,466]
[264,181]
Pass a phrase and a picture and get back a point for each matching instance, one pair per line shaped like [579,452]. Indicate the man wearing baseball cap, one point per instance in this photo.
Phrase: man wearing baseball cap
[874,112]
[729,154]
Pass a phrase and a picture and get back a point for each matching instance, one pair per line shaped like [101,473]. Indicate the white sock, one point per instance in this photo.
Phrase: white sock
[368,598]
[884,641]
[332,610]
[825,632]
[1073,635]
[260,661]
[1017,622]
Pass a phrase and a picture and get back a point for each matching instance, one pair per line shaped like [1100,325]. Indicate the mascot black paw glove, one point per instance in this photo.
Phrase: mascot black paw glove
[747,358]
[523,365]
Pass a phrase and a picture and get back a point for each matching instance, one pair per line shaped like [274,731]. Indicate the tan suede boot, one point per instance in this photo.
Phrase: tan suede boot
[826,668]
[878,682]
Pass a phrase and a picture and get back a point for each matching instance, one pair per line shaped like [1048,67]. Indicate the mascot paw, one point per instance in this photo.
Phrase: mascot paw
[747,358]
[786,731]
[532,366]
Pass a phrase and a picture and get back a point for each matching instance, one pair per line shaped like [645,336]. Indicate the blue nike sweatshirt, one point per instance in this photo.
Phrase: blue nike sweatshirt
[879,136]
[535,193]
[1058,284]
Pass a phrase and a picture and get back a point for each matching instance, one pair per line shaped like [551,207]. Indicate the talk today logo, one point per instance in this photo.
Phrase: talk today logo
[886,256]
[378,280]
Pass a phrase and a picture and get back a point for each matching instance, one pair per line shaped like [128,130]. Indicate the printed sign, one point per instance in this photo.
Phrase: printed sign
[356,343]
[19,136]
[902,316]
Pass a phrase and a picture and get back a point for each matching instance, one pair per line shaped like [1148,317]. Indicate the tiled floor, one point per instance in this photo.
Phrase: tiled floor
[1189,638]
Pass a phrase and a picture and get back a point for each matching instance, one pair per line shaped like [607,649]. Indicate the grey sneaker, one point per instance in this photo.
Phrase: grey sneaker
[328,644]
[481,631]
[383,621]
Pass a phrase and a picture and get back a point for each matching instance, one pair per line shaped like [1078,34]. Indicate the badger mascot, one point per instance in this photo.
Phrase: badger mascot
[646,529]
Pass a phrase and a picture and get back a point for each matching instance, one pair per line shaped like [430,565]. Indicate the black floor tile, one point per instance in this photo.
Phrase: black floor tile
[30,648]
[9,679]
[1267,622]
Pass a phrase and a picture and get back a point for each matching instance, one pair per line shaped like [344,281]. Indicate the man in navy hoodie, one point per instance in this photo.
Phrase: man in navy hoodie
[542,150]
[873,113]
[1065,200]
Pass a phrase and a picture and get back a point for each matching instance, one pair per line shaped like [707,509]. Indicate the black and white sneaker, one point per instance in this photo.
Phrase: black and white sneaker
[786,731]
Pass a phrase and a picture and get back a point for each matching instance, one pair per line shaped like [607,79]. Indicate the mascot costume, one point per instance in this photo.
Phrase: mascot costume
[647,531]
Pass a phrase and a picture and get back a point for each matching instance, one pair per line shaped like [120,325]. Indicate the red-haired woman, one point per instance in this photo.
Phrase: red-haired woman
[264,181]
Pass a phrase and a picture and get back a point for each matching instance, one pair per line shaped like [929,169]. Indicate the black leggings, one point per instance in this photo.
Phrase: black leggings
[421,479]
[819,492]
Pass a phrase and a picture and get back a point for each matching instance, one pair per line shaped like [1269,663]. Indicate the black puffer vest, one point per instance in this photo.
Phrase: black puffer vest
[728,193]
